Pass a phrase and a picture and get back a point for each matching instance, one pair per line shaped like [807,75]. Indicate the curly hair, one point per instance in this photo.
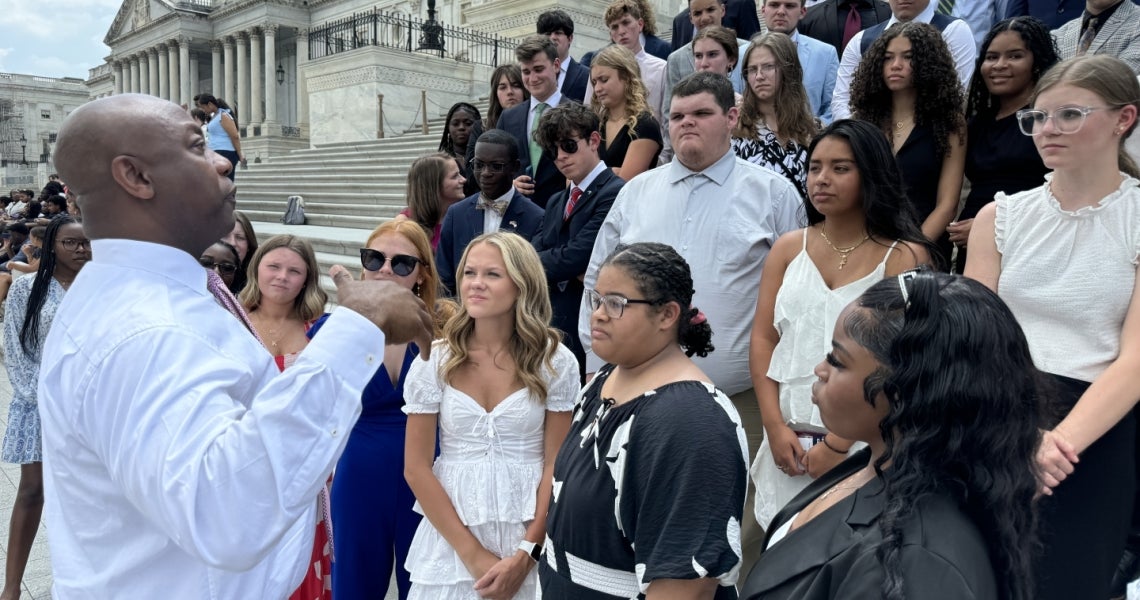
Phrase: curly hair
[533,341]
[938,98]
[648,17]
[310,302]
[446,144]
[620,59]
[794,118]
[662,276]
[965,404]
[1038,41]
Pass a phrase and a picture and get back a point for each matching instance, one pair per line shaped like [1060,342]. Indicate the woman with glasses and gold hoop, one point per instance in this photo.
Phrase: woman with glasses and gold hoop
[651,478]
[1064,256]
[371,503]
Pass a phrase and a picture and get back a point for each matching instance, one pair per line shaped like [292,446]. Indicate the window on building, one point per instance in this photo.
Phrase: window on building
[45,114]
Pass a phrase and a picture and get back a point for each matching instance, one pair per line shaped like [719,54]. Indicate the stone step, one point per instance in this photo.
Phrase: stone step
[323,208]
[345,173]
[278,199]
[318,191]
[345,221]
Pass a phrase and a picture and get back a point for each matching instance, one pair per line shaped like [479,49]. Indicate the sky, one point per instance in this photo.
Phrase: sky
[54,38]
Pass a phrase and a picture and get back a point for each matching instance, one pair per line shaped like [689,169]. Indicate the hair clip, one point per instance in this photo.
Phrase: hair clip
[903,278]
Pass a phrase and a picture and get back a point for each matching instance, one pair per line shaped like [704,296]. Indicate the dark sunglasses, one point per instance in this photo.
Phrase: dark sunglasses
[569,146]
[223,268]
[402,264]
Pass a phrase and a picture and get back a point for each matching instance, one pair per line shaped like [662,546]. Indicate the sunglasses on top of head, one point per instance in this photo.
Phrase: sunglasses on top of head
[402,264]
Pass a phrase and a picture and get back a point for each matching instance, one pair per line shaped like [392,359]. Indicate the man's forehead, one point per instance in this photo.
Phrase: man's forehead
[698,101]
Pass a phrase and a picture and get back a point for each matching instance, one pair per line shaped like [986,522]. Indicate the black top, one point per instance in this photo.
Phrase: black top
[921,167]
[651,489]
[999,158]
[647,129]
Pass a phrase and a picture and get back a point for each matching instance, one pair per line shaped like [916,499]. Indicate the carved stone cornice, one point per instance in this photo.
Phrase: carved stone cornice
[382,74]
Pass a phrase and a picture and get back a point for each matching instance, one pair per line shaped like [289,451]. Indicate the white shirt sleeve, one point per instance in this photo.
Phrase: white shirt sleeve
[963,49]
[225,482]
[608,238]
[841,97]
[980,15]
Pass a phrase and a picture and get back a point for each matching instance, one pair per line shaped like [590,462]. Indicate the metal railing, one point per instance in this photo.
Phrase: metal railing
[198,5]
[410,34]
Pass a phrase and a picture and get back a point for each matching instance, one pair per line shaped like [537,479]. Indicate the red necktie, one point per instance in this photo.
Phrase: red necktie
[853,25]
[575,194]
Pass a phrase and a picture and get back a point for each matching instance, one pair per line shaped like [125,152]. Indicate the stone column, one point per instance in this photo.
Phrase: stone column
[243,80]
[163,77]
[228,69]
[152,62]
[134,74]
[184,71]
[144,72]
[302,85]
[117,74]
[270,78]
[195,74]
[215,68]
[256,71]
[172,47]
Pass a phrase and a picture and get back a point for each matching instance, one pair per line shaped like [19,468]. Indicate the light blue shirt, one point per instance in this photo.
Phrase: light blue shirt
[216,137]
[723,221]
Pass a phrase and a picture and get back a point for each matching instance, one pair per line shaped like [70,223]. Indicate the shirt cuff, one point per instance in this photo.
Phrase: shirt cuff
[350,345]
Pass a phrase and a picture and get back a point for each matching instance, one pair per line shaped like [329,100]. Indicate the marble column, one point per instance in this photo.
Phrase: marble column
[163,78]
[195,75]
[302,85]
[184,71]
[270,78]
[172,47]
[228,69]
[243,79]
[256,71]
[134,74]
[215,68]
[152,62]
[144,72]
[117,74]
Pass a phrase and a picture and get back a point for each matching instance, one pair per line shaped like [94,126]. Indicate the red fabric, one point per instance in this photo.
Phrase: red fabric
[317,584]
[853,25]
[575,194]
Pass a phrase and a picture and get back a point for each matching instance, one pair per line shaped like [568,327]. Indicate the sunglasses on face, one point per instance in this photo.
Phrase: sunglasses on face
[402,264]
[221,267]
[569,146]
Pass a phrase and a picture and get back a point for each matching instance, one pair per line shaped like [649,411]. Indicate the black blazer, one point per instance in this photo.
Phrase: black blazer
[574,86]
[822,21]
[547,180]
[565,246]
[654,46]
[833,556]
[740,15]
[463,223]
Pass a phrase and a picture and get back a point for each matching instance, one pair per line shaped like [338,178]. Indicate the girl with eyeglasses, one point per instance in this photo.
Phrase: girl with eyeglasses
[631,136]
[1014,55]
[907,85]
[776,123]
[222,258]
[1064,257]
[860,229]
[371,503]
[651,478]
[31,307]
[435,182]
[498,389]
[283,298]
[932,372]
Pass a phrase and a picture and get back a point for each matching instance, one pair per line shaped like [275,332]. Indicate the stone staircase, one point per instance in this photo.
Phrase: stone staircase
[349,189]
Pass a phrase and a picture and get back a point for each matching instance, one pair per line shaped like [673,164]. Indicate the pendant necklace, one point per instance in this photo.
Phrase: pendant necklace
[843,253]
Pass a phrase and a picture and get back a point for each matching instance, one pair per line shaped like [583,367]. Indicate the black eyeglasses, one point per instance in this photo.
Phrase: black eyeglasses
[615,305]
[72,244]
[494,167]
[221,267]
[402,264]
[569,146]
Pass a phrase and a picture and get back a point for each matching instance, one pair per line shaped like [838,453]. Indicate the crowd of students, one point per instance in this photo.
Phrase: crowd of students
[695,334]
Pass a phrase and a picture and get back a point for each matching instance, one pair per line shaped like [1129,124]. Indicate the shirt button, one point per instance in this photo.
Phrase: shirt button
[369,359]
[334,432]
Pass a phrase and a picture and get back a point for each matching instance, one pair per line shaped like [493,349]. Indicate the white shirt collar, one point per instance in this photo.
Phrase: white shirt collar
[550,102]
[718,171]
[925,16]
[589,179]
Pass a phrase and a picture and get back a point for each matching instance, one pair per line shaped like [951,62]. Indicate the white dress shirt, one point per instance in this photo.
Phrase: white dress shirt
[179,463]
[550,103]
[493,220]
[723,221]
[957,35]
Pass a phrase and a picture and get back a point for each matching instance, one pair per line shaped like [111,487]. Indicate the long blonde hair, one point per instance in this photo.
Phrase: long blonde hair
[533,341]
[620,59]
[793,111]
[428,291]
[1106,76]
[310,302]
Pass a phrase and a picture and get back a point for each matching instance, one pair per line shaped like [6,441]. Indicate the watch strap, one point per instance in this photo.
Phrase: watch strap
[532,549]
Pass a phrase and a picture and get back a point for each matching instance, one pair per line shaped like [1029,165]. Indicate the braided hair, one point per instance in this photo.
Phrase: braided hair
[30,330]
[663,276]
[446,144]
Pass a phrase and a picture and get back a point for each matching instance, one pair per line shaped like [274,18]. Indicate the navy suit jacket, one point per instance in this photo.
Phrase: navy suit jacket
[739,15]
[565,246]
[463,223]
[547,180]
[574,86]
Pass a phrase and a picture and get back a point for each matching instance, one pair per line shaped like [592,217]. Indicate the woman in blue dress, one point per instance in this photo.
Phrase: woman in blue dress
[32,302]
[371,504]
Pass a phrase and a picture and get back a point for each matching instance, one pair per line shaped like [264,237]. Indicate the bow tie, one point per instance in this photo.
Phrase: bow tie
[499,206]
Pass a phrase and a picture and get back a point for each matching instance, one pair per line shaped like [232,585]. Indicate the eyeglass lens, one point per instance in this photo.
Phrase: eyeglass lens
[402,264]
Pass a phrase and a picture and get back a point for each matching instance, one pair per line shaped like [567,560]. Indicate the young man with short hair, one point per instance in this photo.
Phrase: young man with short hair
[702,13]
[817,59]
[574,215]
[559,27]
[626,23]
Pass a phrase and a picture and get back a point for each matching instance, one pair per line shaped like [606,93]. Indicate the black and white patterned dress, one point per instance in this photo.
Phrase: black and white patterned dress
[789,160]
[651,489]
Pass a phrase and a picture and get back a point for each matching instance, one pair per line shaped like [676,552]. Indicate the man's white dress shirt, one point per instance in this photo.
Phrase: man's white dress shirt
[179,463]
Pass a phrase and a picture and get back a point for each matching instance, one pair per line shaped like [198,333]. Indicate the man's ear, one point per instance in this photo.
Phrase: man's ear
[128,172]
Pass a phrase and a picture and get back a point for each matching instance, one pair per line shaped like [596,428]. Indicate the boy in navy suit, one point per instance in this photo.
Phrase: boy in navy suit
[496,206]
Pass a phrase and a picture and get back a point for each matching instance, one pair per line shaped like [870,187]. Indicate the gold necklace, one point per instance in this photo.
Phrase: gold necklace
[843,253]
